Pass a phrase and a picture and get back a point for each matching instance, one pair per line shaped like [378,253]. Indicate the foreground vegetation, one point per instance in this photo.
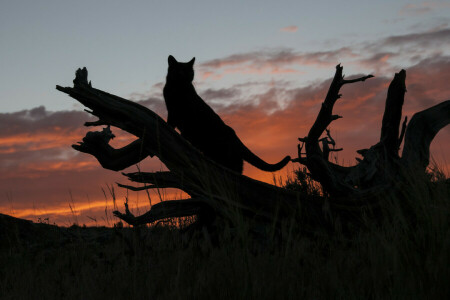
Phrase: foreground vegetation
[406,255]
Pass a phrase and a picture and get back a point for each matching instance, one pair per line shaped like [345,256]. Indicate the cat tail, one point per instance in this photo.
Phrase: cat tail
[254,160]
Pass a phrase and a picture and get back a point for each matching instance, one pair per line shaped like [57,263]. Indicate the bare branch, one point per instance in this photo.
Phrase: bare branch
[97,144]
[163,210]
[137,189]
[95,123]
[356,79]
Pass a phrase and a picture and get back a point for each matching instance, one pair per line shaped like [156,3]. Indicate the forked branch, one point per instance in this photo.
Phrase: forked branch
[319,166]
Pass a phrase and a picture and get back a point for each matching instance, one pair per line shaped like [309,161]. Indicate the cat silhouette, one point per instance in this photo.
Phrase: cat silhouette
[201,126]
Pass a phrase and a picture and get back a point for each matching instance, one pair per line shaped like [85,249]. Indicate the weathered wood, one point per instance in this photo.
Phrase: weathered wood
[421,131]
[190,171]
[393,114]
[381,166]
[97,144]
[163,210]
[320,168]
[349,191]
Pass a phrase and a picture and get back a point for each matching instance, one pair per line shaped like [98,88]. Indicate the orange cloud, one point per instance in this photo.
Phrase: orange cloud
[41,175]
[271,136]
[62,166]
[39,141]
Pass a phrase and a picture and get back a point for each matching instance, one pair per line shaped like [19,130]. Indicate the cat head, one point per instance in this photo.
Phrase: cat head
[178,71]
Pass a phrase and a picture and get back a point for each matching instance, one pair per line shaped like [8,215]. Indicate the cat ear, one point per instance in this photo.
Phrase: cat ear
[171,60]
[191,62]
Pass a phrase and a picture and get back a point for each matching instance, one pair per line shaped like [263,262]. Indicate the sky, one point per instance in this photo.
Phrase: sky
[264,67]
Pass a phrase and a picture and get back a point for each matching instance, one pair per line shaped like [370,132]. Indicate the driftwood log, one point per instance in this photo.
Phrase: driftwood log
[348,191]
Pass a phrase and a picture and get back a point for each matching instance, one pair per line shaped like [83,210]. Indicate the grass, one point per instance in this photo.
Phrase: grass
[405,256]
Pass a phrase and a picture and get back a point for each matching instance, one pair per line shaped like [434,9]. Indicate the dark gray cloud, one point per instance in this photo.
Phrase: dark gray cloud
[155,104]
[423,39]
[279,57]
[40,120]
[378,55]
[224,93]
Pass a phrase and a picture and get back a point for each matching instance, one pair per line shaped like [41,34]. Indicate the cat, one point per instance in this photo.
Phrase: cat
[201,126]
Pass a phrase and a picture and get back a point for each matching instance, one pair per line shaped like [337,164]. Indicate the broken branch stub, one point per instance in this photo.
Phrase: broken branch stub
[393,114]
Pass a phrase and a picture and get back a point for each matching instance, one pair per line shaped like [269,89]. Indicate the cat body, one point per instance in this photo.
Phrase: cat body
[201,126]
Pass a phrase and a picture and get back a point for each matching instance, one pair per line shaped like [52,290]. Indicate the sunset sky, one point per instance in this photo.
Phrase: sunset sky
[264,67]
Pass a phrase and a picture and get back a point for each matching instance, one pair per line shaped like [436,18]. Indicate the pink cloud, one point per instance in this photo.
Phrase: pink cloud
[291,28]
[380,56]
[284,61]
[422,8]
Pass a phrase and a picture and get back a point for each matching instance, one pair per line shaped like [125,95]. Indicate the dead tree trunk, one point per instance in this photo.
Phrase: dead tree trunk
[207,182]
[349,190]
[381,165]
